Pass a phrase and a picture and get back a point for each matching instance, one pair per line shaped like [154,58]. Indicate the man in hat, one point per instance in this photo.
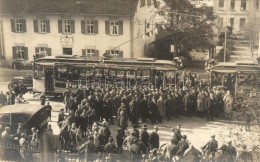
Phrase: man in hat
[145,136]
[136,151]
[210,105]
[88,149]
[177,134]
[129,140]
[211,147]
[144,108]
[66,98]
[182,146]
[169,107]
[133,111]
[154,139]
[120,139]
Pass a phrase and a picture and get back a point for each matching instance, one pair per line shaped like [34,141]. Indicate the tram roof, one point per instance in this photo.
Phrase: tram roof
[236,67]
[103,62]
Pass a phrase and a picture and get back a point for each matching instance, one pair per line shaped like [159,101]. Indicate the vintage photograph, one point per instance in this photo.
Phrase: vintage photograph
[129,81]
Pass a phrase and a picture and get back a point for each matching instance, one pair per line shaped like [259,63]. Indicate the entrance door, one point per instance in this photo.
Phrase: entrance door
[67,51]
[49,87]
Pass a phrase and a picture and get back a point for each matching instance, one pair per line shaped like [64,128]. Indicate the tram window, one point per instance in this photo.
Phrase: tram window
[130,73]
[98,72]
[89,72]
[74,73]
[112,73]
[62,73]
[38,71]
[146,73]
[105,72]
[120,73]
[139,73]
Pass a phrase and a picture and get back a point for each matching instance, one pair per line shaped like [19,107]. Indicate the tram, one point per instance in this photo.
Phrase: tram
[242,78]
[53,74]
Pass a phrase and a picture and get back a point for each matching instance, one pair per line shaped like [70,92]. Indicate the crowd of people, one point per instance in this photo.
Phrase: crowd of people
[84,122]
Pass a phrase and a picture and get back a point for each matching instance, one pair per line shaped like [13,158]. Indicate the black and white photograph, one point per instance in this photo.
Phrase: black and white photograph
[129,81]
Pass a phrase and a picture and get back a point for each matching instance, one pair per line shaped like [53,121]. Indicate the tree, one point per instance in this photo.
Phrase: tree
[193,22]
[251,33]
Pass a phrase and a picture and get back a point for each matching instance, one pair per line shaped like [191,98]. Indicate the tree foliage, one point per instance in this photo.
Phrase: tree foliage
[184,16]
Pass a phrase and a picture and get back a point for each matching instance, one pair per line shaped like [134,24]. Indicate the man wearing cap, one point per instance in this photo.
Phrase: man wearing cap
[211,147]
[154,139]
[170,151]
[182,146]
[245,155]
[232,152]
[177,134]
[145,136]
[88,150]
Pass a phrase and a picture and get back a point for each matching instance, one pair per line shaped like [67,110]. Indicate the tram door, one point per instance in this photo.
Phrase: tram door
[49,84]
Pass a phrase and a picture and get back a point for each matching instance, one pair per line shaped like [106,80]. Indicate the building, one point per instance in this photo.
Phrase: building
[236,13]
[88,28]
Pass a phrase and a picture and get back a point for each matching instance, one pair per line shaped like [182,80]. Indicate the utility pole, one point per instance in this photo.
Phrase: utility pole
[227,19]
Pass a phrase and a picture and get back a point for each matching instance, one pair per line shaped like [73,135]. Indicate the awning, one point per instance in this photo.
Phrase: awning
[44,63]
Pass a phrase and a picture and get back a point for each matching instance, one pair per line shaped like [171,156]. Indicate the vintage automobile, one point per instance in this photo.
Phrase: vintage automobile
[27,114]
[27,80]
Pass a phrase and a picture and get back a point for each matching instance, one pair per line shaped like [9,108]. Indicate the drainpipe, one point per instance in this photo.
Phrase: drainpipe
[131,36]
[2,37]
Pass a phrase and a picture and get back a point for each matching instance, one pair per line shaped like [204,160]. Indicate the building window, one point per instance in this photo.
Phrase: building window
[243,4]
[232,21]
[90,52]
[18,25]
[221,4]
[20,54]
[232,4]
[89,26]
[220,22]
[114,27]
[42,26]
[67,27]
[114,53]
[242,23]
[67,51]
[257,4]
[42,52]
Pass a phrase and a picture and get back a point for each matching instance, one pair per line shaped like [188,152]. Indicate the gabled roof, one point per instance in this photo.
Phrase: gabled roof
[91,7]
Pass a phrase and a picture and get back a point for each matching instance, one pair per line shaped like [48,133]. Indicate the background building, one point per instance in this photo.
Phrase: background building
[87,28]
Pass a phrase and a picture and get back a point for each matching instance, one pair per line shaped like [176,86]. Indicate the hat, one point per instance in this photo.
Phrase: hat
[213,136]
[156,127]
[184,137]
[244,146]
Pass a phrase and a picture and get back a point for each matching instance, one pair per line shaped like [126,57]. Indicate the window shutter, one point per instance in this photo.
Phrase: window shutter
[14,53]
[48,28]
[96,53]
[12,25]
[35,25]
[107,53]
[25,53]
[72,23]
[142,3]
[60,26]
[120,54]
[120,27]
[24,25]
[95,26]
[48,51]
[83,52]
[36,50]
[83,27]
[107,26]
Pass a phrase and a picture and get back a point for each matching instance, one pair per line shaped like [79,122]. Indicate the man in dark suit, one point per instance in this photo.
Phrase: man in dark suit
[210,105]
[182,146]
[144,107]
[145,136]
[154,140]
[133,111]
[177,134]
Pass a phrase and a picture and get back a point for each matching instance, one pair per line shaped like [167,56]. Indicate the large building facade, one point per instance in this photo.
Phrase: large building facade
[236,13]
[88,28]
